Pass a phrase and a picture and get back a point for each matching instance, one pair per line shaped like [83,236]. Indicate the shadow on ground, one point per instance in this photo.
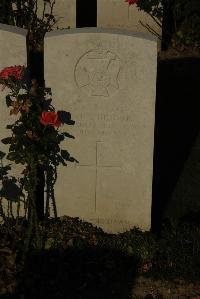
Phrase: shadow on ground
[87,273]
[177,128]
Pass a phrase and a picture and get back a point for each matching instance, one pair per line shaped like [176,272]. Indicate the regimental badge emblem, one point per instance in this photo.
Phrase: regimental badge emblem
[97,71]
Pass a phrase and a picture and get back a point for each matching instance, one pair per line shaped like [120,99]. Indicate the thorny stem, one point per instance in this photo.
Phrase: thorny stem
[32,214]
[2,214]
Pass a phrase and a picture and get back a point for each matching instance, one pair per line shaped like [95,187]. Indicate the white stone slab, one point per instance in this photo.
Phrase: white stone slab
[63,10]
[118,14]
[12,52]
[110,14]
[107,80]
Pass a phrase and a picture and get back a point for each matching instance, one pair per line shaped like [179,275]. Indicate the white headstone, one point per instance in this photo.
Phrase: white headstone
[64,12]
[107,80]
[12,52]
[119,14]
[110,14]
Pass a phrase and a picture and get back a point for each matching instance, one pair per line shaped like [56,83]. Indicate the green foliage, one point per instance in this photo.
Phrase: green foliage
[175,255]
[178,251]
[66,156]
[11,191]
[6,140]
[186,16]
[10,188]
[35,140]
[32,143]
[153,7]
[8,101]
[23,14]
[2,155]
[30,136]
[187,21]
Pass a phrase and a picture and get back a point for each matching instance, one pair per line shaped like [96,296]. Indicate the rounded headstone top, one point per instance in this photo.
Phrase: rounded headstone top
[102,30]
[13,29]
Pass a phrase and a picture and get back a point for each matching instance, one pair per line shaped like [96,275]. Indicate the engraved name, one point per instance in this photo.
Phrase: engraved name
[110,221]
[104,123]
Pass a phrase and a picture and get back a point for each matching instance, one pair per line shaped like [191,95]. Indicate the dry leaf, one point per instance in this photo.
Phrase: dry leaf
[16,107]
[26,105]
[33,88]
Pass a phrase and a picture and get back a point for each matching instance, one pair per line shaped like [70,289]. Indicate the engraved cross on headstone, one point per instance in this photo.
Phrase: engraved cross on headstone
[97,166]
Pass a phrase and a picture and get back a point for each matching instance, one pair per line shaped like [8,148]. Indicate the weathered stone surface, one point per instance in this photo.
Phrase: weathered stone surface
[63,11]
[107,80]
[12,52]
[118,14]
[110,14]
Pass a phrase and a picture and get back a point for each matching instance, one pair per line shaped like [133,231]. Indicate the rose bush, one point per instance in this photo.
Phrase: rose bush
[184,23]
[34,138]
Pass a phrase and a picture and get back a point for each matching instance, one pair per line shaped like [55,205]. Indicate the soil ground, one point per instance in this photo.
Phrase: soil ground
[179,289]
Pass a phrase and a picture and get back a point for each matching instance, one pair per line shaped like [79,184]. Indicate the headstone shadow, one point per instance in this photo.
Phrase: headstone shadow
[78,273]
[177,128]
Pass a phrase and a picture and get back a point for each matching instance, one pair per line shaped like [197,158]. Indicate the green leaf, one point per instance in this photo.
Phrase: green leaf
[12,156]
[4,171]
[22,97]
[19,130]
[48,90]
[66,156]
[49,16]
[6,140]
[8,101]
[49,243]
[65,117]
[68,135]
[2,154]
[11,191]
[60,160]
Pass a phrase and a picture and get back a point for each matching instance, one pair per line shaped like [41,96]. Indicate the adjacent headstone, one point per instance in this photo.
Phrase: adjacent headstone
[107,80]
[184,200]
[12,52]
[118,14]
[110,14]
[63,11]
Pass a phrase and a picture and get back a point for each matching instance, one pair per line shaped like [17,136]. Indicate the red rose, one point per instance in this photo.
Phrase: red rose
[130,2]
[50,118]
[15,71]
